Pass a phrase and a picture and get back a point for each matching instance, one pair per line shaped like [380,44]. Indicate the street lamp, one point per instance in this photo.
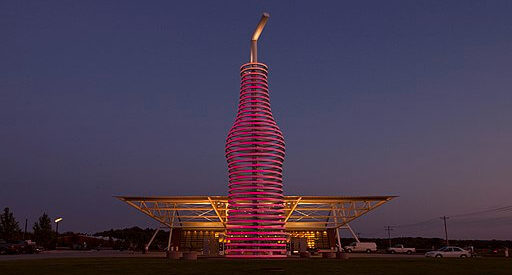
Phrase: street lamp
[57,220]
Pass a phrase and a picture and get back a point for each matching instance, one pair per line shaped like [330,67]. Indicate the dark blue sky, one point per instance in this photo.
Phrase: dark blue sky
[408,98]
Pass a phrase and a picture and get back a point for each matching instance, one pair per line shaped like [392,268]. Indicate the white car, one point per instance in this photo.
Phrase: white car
[361,247]
[449,251]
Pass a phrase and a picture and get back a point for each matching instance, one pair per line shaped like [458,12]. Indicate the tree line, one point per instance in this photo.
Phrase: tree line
[42,233]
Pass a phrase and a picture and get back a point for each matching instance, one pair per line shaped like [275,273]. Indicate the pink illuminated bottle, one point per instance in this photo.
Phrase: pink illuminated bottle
[255,152]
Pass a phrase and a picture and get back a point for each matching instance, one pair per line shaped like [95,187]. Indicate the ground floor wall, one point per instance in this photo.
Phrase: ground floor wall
[211,242]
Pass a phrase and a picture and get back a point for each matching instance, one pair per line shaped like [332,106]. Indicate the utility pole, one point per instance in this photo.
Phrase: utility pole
[444,218]
[389,229]
[25,232]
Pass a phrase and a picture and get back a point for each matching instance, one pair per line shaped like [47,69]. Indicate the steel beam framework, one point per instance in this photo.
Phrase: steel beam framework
[210,212]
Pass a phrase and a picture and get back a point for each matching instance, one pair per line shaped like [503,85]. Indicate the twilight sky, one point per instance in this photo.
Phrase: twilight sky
[407,98]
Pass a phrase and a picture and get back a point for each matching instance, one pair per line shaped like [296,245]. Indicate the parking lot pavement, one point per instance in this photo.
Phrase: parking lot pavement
[383,255]
[53,254]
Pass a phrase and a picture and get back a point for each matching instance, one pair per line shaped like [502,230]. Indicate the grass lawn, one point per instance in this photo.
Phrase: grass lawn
[139,266]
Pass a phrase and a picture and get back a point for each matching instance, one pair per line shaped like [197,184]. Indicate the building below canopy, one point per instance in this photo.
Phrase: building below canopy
[198,223]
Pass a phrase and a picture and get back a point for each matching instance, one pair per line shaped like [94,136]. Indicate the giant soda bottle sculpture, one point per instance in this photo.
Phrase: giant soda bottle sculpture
[255,155]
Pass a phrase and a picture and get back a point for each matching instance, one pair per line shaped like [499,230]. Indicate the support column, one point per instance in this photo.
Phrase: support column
[170,229]
[146,248]
[352,232]
[335,215]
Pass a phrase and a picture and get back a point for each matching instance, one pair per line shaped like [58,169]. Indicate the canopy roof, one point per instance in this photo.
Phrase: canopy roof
[210,212]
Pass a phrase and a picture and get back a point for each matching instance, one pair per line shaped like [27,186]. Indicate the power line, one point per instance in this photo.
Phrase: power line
[501,209]
[455,219]
[504,220]
[417,223]
[498,209]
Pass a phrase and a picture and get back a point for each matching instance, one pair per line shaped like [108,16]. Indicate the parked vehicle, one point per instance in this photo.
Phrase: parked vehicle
[399,248]
[361,247]
[21,247]
[449,251]
[14,248]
